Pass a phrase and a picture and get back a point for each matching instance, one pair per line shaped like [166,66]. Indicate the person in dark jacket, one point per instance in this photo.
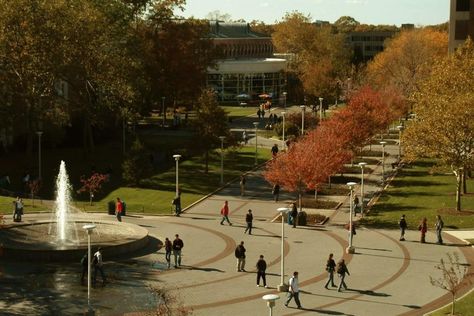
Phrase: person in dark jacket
[276,191]
[168,249]
[249,220]
[261,268]
[240,255]
[177,247]
[330,268]
[403,226]
[294,214]
[341,270]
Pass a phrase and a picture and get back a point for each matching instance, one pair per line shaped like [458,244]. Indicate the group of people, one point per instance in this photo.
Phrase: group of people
[423,228]
[340,269]
[174,247]
[17,209]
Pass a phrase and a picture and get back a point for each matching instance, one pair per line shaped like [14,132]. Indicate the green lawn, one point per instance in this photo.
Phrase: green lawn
[461,308]
[417,194]
[234,112]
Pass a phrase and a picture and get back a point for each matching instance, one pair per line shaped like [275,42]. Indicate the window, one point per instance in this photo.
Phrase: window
[461,29]
[463,5]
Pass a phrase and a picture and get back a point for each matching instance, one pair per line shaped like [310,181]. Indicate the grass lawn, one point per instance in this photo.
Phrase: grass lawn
[417,194]
[234,112]
[462,307]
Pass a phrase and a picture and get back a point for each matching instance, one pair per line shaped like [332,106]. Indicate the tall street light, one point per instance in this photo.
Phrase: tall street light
[39,133]
[282,287]
[270,299]
[362,165]
[176,158]
[163,111]
[351,248]
[89,228]
[284,143]
[222,158]
[256,138]
[400,129]
[303,108]
[383,143]
[321,109]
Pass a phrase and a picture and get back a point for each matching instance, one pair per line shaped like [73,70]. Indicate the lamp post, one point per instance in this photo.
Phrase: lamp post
[321,109]
[383,143]
[283,116]
[270,299]
[256,138]
[222,158]
[351,248]
[282,287]
[284,96]
[400,129]
[89,228]
[176,157]
[303,108]
[39,133]
[163,111]
[362,165]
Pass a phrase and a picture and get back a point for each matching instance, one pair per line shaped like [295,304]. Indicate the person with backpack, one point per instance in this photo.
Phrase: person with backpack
[249,220]
[294,290]
[98,264]
[439,228]
[341,270]
[330,267]
[240,255]
[168,249]
[403,226]
[261,268]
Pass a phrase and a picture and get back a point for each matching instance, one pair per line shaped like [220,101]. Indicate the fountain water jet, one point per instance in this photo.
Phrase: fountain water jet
[63,199]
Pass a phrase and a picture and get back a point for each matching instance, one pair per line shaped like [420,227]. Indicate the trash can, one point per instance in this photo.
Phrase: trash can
[290,219]
[302,218]
[111,207]
[124,208]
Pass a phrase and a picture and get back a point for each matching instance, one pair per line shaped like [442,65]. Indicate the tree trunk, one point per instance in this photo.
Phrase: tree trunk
[464,182]
[452,306]
[458,174]
[329,180]
[300,198]
[90,199]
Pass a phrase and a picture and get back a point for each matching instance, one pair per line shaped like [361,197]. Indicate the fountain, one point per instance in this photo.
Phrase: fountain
[62,238]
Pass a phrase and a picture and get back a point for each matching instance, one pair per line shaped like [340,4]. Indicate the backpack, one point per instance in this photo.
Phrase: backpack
[237,252]
[341,269]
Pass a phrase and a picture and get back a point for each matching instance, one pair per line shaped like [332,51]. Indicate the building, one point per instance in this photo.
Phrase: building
[367,44]
[461,22]
[247,68]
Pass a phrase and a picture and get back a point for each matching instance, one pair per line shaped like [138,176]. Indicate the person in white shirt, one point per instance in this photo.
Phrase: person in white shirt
[97,261]
[294,290]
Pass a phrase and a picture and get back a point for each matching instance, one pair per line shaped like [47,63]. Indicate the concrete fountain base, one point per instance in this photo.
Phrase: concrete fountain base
[35,241]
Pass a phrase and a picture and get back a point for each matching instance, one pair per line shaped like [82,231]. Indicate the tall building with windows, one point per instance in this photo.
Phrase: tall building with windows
[461,22]
[368,44]
[247,67]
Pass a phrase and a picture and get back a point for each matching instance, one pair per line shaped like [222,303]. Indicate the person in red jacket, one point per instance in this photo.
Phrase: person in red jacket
[423,228]
[118,209]
[225,213]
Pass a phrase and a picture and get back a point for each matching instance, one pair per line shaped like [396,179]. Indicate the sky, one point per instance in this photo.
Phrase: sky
[391,12]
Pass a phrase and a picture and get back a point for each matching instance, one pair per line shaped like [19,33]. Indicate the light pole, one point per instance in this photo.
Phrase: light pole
[362,165]
[351,249]
[321,109]
[270,299]
[222,158]
[303,108]
[176,157]
[39,133]
[282,287]
[89,228]
[283,116]
[400,129]
[163,111]
[383,143]
[256,138]
[284,96]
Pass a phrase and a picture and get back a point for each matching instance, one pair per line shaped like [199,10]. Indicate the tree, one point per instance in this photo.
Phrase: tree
[346,24]
[92,185]
[210,123]
[451,280]
[444,124]
[137,164]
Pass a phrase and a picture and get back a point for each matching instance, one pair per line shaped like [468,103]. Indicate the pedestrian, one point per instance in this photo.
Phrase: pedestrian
[177,248]
[276,191]
[330,267]
[225,213]
[249,220]
[341,270]
[16,210]
[84,263]
[439,228]
[356,204]
[98,264]
[118,209]
[423,228]
[261,268]
[294,290]
[240,255]
[259,113]
[242,185]
[177,204]
[168,249]
[294,214]
[244,137]
[403,226]
[274,150]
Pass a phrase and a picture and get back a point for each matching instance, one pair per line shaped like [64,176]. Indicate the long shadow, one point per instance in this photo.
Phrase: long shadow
[413,183]
[205,269]
[369,292]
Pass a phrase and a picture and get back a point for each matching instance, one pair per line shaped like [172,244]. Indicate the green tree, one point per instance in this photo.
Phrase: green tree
[346,24]
[136,165]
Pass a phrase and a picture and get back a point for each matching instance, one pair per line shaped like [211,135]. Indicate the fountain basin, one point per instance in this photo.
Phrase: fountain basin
[33,241]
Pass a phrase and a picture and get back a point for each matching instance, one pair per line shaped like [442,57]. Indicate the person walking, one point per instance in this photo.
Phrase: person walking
[274,151]
[294,290]
[403,226]
[294,214]
[177,247]
[84,263]
[168,249]
[330,267]
[240,255]
[439,228]
[261,268]
[98,264]
[177,204]
[244,137]
[225,213]
[118,209]
[341,270]
[423,228]
[242,185]
[276,192]
[249,220]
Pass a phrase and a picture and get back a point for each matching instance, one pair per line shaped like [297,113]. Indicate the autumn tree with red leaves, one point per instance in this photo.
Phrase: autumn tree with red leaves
[92,185]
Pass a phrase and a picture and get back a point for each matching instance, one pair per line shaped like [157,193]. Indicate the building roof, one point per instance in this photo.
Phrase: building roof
[233,30]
